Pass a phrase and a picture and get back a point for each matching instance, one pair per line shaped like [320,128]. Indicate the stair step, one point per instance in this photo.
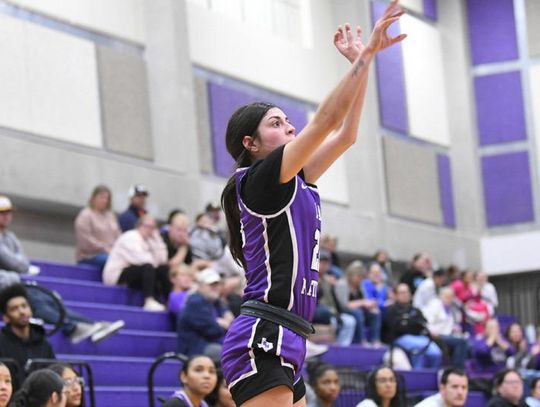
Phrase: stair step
[135,317]
[88,291]
[60,270]
[127,342]
[129,395]
[128,371]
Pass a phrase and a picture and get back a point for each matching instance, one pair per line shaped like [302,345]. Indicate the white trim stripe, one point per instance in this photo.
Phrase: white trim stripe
[279,340]
[251,356]
[295,257]
[266,260]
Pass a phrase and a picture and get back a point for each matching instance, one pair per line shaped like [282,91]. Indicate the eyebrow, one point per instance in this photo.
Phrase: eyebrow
[278,117]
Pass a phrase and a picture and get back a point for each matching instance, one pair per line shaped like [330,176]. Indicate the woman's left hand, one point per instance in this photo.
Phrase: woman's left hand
[350,47]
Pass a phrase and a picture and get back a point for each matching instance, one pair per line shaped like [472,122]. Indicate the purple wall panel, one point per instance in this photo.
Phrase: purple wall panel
[224,100]
[499,108]
[446,191]
[430,9]
[492,31]
[391,81]
[507,189]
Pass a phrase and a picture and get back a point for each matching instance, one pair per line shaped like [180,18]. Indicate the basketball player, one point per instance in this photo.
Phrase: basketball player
[273,212]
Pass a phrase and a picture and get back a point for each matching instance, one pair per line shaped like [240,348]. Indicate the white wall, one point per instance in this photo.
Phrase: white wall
[511,253]
[49,83]
[120,18]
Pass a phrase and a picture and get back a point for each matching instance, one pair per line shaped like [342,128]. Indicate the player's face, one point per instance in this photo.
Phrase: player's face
[327,386]
[454,392]
[18,312]
[386,384]
[274,131]
[5,386]
[201,377]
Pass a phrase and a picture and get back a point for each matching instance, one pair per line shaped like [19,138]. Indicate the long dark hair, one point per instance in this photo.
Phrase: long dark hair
[398,400]
[243,122]
[38,389]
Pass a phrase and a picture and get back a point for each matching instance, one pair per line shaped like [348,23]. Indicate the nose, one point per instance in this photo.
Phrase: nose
[291,129]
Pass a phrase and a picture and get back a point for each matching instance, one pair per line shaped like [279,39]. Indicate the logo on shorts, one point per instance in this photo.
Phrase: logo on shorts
[265,345]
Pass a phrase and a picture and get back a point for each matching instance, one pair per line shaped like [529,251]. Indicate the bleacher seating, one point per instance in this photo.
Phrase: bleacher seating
[121,363]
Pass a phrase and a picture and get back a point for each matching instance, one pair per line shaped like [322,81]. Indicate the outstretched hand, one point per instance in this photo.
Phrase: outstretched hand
[350,47]
[380,39]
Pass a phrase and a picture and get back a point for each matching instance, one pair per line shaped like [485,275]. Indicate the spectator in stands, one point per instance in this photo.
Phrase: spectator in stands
[508,386]
[487,291]
[444,328]
[213,210]
[182,279]
[137,202]
[96,229]
[453,389]
[220,396]
[176,238]
[383,389]
[199,378]
[43,388]
[463,288]
[515,337]
[490,349]
[428,289]
[453,273]
[205,319]
[351,296]
[13,263]
[21,339]
[206,243]
[381,258]
[534,399]
[419,269]
[328,310]
[407,329]
[73,383]
[375,289]
[324,381]
[329,243]
[476,314]
[139,260]
[535,352]
[6,386]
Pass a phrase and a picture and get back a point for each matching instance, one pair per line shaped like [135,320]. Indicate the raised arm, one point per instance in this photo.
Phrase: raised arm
[342,107]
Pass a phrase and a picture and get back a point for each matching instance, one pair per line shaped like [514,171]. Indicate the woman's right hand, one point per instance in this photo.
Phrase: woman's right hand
[380,39]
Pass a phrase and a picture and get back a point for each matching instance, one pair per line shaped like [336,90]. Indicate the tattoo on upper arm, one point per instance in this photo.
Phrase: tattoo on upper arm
[359,64]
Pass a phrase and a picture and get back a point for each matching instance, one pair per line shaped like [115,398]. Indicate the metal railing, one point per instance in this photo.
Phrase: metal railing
[32,285]
[159,360]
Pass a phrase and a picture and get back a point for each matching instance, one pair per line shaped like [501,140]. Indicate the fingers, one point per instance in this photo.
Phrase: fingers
[398,38]
[338,35]
[348,33]
[359,31]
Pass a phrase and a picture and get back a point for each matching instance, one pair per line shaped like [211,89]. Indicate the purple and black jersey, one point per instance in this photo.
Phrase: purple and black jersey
[280,225]
[281,247]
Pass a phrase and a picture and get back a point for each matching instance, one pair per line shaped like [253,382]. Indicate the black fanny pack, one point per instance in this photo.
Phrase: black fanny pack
[278,315]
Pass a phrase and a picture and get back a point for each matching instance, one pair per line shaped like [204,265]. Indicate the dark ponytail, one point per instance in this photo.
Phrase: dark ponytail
[243,122]
[38,389]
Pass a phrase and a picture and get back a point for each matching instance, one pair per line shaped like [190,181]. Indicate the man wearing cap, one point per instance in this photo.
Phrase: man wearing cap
[137,202]
[205,319]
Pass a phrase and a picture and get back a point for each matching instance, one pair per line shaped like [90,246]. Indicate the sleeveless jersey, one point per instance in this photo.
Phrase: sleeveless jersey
[281,250]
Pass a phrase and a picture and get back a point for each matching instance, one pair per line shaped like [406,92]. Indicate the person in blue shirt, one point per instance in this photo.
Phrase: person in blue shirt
[137,202]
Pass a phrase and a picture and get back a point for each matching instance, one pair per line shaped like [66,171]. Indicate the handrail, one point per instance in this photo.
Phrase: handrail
[34,364]
[160,359]
[32,285]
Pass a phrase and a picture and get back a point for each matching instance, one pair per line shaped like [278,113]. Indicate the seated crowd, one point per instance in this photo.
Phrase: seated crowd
[432,317]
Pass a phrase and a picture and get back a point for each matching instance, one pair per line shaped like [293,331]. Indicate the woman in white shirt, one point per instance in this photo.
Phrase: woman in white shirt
[384,389]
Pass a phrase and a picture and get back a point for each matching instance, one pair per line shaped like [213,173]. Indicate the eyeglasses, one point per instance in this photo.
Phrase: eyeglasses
[72,382]
[383,380]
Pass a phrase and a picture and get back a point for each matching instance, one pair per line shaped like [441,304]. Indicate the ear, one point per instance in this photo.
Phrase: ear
[5,318]
[249,144]
[183,378]
[54,398]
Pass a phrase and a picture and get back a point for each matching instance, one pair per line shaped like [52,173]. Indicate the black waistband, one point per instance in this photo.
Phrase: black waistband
[277,315]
